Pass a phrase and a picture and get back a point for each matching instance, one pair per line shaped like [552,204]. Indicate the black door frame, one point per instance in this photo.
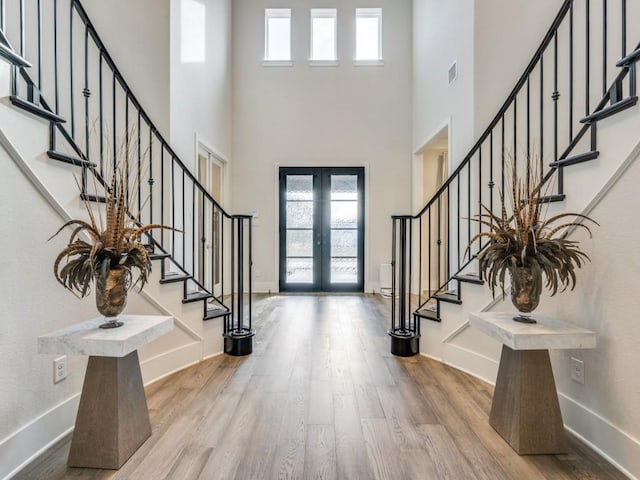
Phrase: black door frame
[321,230]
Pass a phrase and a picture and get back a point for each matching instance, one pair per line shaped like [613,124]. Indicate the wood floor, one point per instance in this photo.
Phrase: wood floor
[321,397]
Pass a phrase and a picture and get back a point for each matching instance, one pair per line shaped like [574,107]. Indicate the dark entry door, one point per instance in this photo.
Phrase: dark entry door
[322,229]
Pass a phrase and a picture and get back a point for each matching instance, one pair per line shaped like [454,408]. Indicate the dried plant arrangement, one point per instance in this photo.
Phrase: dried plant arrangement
[114,232]
[526,244]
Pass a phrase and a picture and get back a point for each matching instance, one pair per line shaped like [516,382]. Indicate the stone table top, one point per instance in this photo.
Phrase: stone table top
[548,333]
[87,338]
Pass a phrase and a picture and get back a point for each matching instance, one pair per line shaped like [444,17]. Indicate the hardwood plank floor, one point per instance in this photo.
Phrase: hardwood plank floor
[322,398]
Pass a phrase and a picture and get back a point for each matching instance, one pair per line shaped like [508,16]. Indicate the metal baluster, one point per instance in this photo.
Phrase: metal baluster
[420,261]
[101,118]
[71,89]
[127,141]
[403,273]
[250,271]
[479,194]
[113,120]
[393,273]
[55,55]
[139,172]
[490,181]
[162,186]
[429,289]
[587,73]
[193,230]
[184,225]
[624,29]
[604,47]
[439,284]
[151,180]
[410,242]
[528,117]
[571,73]
[447,267]
[22,29]
[39,7]
[502,154]
[458,219]
[173,207]
[541,160]
[86,92]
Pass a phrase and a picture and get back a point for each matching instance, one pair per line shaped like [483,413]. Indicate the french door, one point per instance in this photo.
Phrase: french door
[321,229]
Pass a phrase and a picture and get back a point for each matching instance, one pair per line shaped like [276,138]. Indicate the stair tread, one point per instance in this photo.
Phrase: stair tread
[93,198]
[196,296]
[558,197]
[216,312]
[159,255]
[470,278]
[63,157]
[448,297]
[36,109]
[572,160]
[174,277]
[610,110]
[427,313]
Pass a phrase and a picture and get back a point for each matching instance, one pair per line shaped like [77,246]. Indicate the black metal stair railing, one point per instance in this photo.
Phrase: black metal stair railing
[58,55]
[550,115]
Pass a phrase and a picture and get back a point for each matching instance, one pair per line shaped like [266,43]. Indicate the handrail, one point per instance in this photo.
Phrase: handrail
[107,57]
[85,82]
[507,103]
[533,101]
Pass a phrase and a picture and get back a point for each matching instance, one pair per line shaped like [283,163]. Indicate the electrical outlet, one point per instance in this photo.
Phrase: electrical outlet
[59,369]
[577,370]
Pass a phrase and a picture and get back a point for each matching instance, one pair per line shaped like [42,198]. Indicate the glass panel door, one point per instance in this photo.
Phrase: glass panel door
[321,229]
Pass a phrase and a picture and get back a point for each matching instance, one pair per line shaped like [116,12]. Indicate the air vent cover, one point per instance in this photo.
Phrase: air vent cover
[453,72]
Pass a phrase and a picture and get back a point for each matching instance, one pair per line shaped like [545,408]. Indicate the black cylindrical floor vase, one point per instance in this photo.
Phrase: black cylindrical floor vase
[239,343]
[404,344]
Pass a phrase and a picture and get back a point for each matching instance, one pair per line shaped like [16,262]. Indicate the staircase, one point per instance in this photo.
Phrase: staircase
[579,78]
[62,73]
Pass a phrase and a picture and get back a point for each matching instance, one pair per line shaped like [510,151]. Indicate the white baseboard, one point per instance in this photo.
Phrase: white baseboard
[170,362]
[25,445]
[34,438]
[468,361]
[265,287]
[618,447]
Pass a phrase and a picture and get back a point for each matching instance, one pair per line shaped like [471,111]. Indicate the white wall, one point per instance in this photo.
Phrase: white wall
[201,91]
[498,63]
[443,32]
[315,116]
[140,26]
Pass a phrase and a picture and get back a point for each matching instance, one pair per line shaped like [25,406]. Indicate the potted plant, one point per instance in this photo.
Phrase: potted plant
[111,252]
[528,246]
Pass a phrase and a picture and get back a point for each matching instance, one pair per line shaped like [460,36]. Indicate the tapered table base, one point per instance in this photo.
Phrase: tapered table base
[113,420]
[525,409]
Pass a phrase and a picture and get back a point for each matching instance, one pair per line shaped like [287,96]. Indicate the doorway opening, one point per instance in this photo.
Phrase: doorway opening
[321,229]
[210,170]
[435,171]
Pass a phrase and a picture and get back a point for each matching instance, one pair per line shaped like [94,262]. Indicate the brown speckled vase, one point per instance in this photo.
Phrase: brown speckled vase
[526,287]
[111,295]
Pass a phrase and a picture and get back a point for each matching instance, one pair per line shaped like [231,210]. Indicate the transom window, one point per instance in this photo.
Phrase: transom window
[277,35]
[368,35]
[324,35]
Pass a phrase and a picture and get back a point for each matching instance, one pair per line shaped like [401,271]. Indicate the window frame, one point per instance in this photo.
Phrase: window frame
[271,13]
[323,13]
[368,12]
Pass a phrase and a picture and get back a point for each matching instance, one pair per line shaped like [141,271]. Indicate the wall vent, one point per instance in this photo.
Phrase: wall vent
[453,72]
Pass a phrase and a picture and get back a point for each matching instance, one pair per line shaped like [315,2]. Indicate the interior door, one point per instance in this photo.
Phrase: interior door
[210,174]
[322,229]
